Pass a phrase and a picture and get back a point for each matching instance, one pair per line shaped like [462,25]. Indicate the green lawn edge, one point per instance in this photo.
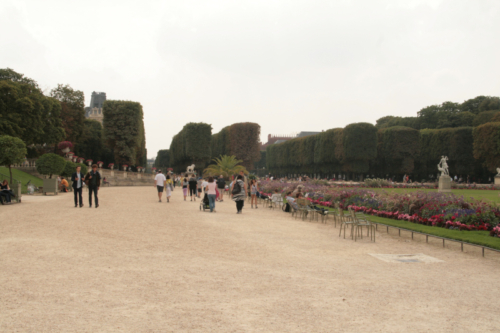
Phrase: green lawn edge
[481,238]
[21,176]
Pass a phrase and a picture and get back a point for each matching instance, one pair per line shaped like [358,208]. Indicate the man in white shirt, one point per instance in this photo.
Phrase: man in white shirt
[77,180]
[204,184]
[160,180]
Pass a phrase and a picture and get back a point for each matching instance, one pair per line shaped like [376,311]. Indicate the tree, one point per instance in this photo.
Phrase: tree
[245,142]
[490,103]
[162,159]
[397,149]
[360,147]
[25,112]
[225,166]
[91,144]
[485,117]
[192,145]
[50,164]
[69,168]
[472,105]
[72,110]
[124,131]
[12,151]
[487,145]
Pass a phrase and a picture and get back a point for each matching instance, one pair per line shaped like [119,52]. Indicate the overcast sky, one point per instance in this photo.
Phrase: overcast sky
[290,66]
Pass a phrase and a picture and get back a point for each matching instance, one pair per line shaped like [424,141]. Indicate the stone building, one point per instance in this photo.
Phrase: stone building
[94,111]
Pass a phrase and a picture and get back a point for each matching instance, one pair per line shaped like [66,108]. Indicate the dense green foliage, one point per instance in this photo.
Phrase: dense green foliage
[162,159]
[360,147]
[50,164]
[124,131]
[69,168]
[26,113]
[191,146]
[485,117]
[91,144]
[487,145]
[72,111]
[22,177]
[397,149]
[12,151]
[241,140]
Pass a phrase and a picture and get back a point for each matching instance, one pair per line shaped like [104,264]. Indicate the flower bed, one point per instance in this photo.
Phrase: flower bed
[428,208]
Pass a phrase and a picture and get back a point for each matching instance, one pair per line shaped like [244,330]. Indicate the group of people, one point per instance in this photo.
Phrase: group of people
[93,181]
[213,187]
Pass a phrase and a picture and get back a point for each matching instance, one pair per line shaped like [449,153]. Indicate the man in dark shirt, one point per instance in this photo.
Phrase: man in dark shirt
[221,186]
[192,187]
[93,181]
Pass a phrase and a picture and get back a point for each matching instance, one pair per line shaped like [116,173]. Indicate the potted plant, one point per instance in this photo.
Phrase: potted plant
[89,162]
[124,167]
[99,164]
[153,169]
[65,146]
[111,166]
[80,159]
[139,169]
[70,155]
[50,164]
[75,158]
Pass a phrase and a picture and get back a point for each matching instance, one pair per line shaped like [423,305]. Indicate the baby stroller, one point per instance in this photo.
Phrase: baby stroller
[205,203]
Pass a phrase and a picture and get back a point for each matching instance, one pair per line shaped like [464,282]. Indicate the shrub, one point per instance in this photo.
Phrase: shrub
[50,164]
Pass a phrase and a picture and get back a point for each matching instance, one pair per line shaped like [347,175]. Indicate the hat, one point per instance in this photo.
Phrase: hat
[94,165]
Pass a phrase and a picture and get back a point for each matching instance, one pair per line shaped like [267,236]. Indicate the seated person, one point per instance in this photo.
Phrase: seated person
[105,181]
[64,185]
[5,192]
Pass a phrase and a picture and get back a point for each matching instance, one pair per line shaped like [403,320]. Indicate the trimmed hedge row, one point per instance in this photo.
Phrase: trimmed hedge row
[241,140]
[192,145]
[361,149]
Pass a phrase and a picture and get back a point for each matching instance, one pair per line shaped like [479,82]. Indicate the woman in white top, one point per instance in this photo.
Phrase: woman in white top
[210,189]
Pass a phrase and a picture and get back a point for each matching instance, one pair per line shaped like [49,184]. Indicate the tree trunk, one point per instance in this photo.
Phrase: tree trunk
[10,172]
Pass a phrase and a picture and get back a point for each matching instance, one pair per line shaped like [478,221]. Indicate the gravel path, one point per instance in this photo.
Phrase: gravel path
[135,265]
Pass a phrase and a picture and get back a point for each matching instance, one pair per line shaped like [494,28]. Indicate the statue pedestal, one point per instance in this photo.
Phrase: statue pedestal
[444,184]
[497,180]
[138,176]
[112,173]
[125,174]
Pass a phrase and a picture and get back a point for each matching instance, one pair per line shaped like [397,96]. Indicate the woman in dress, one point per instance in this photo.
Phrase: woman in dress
[254,188]
[239,197]
[169,187]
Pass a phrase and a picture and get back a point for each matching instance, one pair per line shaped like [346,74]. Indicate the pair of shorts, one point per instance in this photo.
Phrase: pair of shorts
[199,190]
[160,188]
[192,191]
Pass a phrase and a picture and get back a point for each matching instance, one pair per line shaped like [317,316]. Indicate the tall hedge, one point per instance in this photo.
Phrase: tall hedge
[456,143]
[162,158]
[397,149]
[360,147]
[124,133]
[241,140]
[329,151]
[487,145]
[192,145]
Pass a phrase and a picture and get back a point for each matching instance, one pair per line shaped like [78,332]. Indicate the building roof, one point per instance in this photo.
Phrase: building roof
[303,134]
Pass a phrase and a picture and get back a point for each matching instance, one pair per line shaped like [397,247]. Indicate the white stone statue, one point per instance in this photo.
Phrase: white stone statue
[190,169]
[443,166]
[498,172]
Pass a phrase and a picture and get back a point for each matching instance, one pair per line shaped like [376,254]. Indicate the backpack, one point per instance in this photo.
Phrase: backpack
[236,188]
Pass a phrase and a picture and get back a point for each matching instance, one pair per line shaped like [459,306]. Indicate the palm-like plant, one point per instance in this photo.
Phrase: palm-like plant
[225,166]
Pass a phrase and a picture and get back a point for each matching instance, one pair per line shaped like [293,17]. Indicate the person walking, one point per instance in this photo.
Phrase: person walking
[77,179]
[239,191]
[160,184]
[200,186]
[211,189]
[185,185]
[254,188]
[93,181]
[221,185]
[192,188]
[169,187]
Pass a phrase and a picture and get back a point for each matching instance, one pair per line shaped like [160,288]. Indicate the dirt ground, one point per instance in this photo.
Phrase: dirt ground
[137,265]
